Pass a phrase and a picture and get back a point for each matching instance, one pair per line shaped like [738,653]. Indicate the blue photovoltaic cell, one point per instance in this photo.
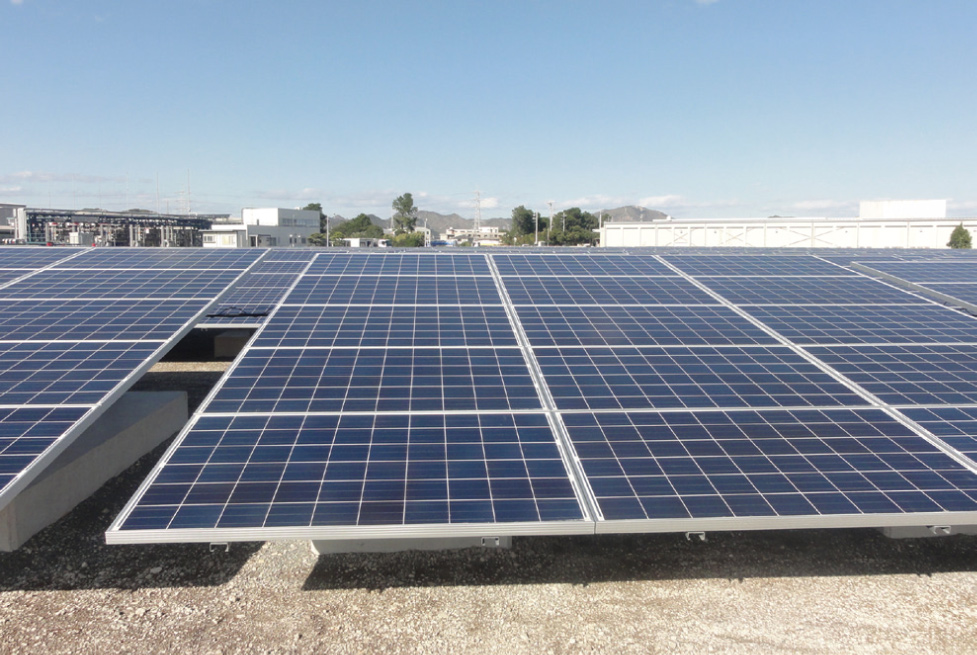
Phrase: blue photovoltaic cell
[290,255]
[351,471]
[955,426]
[259,289]
[722,265]
[33,258]
[605,291]
[807,291]
[371,380]
[924,272]
[163,258]
[680,465]
[66,373]
[26,432]
[277,267]
[827,324]
[159,284]
[390,326]
[254,296]
[965,292]
[638,326]
[580,265]
[400,264]
[908,375]
[632,378]
[43,320]
[393,290]
[8,275]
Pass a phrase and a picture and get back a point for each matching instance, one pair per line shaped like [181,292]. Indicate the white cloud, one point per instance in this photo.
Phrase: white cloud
[10,190]
[16,2]
[657,202]
[46,176]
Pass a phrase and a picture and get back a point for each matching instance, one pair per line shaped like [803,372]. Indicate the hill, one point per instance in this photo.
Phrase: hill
[632,214]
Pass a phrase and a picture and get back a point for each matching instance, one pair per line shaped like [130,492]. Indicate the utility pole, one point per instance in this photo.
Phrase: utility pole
[478,217]
[549,226]
[536,224]
[188,192]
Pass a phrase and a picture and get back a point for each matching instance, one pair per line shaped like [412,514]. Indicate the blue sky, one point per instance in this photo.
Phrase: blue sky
[696,108]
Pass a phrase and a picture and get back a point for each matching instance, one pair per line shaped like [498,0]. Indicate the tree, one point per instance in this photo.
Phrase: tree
[405,214]
[572,227]
[323,219]
[361,227]
[318,239]
[408,240]
[960,238]
[523,221]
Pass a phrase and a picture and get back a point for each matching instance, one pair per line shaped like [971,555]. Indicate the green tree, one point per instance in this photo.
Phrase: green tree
[361,226]
[523,221]
[572,227]
[317,207]
[960,238]
[318,239]
[408,240]
[405,214]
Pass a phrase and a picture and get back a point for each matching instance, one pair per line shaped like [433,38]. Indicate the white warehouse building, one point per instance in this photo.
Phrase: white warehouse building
[880,224]
[264,228]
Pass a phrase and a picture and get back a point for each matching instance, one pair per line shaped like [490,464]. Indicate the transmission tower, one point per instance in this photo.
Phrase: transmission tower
[478,215]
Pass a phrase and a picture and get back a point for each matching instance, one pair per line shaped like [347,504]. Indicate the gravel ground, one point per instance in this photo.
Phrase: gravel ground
[775,592]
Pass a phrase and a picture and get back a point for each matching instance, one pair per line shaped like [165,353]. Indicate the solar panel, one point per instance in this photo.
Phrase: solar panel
[400,264]
[121,283]
[11,274]
[604,291]
[754,266]
[964,292]
[390,289]
[43,320]
[832,467]
[67,354]
[632,378]
[827,324]
[27,432]
[807,291]
[908,375]
[638,326]
[291,254]
[363,406]
[359,474]
[929,271]
[66,373]
[579,265]
[165,258]
[33,257]
[389,326]
[371,380]
[955,426]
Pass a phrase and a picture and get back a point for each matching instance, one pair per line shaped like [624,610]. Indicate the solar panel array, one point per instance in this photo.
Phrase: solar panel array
[386,395]
[399,395]
[953,279]
[417,395]
[78,327]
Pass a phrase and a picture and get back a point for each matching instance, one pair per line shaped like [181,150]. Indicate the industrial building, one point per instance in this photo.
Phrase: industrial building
[880,224]
[94,227]
[264,228]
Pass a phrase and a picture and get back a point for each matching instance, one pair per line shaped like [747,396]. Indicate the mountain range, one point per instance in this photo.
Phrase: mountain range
[439,223]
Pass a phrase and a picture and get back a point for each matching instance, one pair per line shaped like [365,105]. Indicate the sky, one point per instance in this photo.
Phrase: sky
[698,108]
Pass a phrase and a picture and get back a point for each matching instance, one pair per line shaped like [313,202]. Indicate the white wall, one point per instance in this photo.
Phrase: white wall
[786,233]
[279,227]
